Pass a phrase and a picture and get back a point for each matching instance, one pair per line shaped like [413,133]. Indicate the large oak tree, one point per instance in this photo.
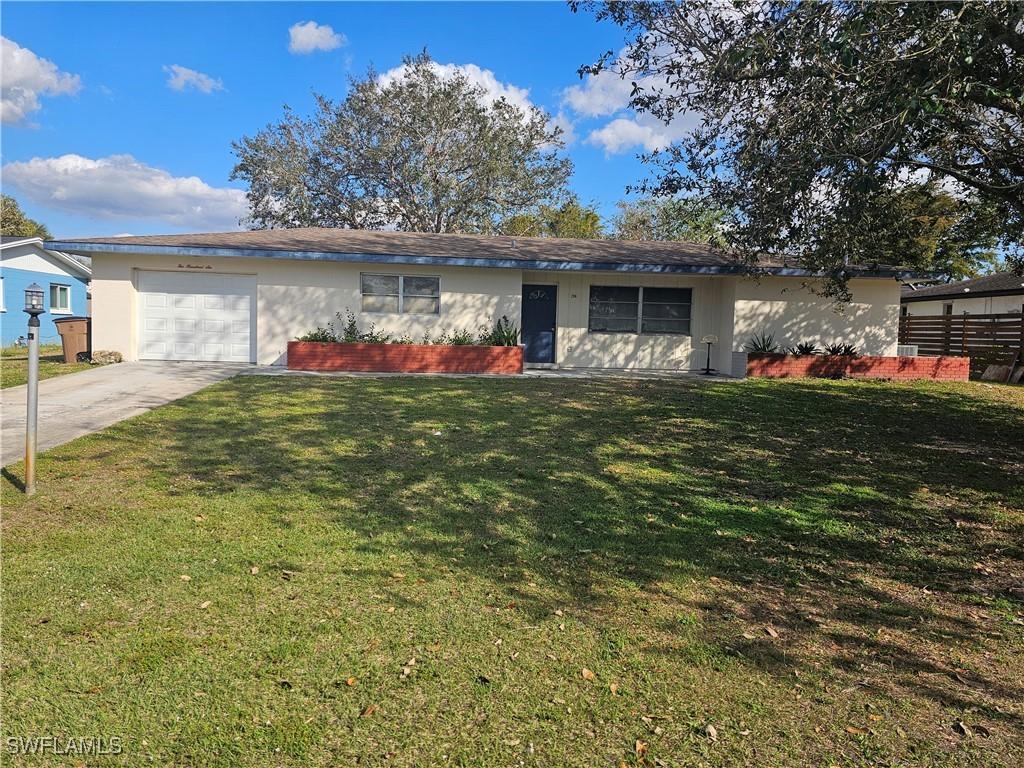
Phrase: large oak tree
[427,151]
[814,115]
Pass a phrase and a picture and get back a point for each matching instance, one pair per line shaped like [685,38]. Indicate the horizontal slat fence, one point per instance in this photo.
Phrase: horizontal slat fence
[983,338]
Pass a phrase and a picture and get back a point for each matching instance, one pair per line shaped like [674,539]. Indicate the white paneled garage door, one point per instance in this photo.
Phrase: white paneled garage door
[196,316]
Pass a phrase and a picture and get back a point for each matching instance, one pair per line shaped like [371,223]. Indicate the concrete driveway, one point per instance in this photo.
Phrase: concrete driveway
[79,403]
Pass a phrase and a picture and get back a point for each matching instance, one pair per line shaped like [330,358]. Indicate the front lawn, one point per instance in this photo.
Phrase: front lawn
[14,364]
[418,572]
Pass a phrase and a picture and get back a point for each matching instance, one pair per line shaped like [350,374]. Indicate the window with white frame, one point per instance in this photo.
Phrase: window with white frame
[60,298]
[622,309]
[3,307]
[406,294]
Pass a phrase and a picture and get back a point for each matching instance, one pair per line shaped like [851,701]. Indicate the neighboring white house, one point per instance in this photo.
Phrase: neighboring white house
[241,296]
[1000,293]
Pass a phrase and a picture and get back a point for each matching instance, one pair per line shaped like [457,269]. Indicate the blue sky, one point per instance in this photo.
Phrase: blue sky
[101,135]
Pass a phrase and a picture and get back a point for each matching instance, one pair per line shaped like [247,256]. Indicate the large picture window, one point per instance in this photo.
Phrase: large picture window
[407,294]
[615,309]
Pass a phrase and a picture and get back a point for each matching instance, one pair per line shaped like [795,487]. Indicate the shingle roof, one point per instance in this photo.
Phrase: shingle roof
[1000,282]
[483,250]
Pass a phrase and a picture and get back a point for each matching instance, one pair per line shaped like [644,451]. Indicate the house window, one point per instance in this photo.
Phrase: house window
[60,299]
[407,294]
[904,310]
[614,310]
[665,310]
[640,310]
[3,307]
[947,309]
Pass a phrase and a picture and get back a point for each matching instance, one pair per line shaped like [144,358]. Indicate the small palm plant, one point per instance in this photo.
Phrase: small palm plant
[762,343]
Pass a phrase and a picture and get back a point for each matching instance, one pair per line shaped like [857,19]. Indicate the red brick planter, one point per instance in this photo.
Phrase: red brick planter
[867,367]
[403,358]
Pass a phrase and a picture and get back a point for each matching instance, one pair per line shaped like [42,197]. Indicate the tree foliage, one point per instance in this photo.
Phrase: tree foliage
[671,218]
[567,219]
[15,223]
[814,115]
[427,151]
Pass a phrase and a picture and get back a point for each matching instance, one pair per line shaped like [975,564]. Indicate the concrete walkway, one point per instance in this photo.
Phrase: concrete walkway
[79,403]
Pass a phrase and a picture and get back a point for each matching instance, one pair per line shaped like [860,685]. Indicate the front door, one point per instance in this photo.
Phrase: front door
[539,322]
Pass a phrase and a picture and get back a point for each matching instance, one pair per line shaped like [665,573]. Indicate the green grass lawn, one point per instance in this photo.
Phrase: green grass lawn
[14,364]
[418,572]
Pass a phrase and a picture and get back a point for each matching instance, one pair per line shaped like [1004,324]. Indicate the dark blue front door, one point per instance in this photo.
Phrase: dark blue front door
[539,322]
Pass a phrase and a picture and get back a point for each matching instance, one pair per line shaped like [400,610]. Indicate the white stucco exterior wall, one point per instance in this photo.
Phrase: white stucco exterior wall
[576,347]
[294,297]
[788,308]
[976,305]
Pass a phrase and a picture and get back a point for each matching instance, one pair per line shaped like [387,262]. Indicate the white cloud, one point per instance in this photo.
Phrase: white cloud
[607,94]
[120,187]
[624,133]
[25,77]
[563,121]
[179,78]
[602,94]
[308,36]
[493,88]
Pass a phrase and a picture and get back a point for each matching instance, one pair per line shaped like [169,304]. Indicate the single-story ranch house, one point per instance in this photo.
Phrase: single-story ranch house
[241,296]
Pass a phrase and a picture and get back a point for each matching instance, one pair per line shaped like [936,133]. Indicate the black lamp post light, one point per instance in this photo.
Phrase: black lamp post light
[33,308]
[710,339]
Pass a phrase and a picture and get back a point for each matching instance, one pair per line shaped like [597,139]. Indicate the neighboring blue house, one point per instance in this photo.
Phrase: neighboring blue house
[64,281]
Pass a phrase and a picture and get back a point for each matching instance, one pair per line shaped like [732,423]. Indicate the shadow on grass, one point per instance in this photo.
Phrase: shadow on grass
[830,511]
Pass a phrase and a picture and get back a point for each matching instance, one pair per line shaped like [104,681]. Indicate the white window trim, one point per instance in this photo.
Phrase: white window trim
[69,310]
[640,312]
[3,301]
[401,294]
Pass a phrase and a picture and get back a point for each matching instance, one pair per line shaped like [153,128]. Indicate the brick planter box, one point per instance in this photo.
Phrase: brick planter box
[403,358]
[867,367]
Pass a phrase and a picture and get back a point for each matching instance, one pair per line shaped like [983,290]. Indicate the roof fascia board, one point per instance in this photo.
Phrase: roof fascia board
[909,298]
[453,261]
[62,259]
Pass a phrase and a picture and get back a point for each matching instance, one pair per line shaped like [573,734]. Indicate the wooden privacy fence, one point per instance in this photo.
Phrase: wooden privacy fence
[983,338]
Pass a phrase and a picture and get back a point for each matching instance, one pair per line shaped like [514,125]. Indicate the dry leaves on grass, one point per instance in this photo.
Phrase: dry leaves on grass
[368,710]
[587,674]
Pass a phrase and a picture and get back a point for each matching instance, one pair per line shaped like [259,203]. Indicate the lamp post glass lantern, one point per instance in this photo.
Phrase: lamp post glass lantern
[34,300]
[33,308]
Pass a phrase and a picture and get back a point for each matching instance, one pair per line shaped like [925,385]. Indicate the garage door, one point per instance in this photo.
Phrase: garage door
[196,316]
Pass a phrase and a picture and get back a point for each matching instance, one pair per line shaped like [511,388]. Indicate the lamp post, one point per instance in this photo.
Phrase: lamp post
[709,340]
[33,308]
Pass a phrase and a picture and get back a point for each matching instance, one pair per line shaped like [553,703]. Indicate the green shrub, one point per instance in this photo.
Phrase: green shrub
[504,333]
[847,350]
[803,348]
[320,334]
[461,338]
[762,343]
